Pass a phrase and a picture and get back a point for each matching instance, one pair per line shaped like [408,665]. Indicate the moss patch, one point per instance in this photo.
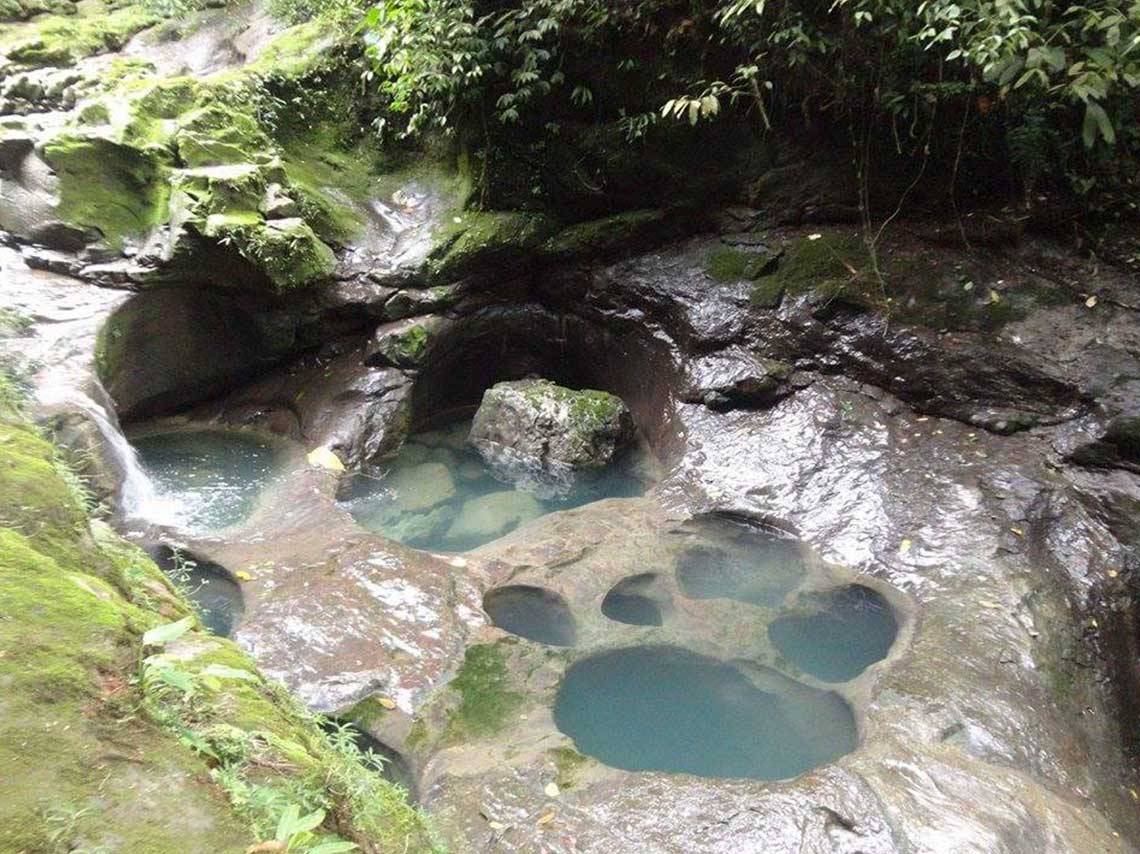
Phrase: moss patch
[482,243]
[728,264]
[568,762]
[611,235]
[115,189]
[63,40]
[486,701]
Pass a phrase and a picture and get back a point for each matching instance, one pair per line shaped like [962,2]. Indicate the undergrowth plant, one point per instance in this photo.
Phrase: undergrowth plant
[322,788]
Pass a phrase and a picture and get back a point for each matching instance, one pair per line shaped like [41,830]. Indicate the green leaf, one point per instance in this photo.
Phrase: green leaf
[1097,121]
[285,823]
[338,847]
[222,671]
[162,635]
[308,822]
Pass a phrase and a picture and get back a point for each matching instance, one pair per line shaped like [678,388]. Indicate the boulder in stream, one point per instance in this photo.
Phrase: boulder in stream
[540,434]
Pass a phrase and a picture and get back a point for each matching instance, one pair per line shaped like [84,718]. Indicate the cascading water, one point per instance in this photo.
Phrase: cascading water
[138,498]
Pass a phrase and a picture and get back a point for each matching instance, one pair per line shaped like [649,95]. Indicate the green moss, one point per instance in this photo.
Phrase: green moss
[611,235]
[217,134]
[63,40]
[728,264]
[114,189]
[331,186]
[94,762]
[831,264]
[768,292]
[930,292]
[482,243]
[22,10]
[568,762]
[486,702]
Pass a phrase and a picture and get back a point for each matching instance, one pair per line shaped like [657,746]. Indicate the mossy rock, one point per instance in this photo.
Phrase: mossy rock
[830,267]
[22,10]
[116,189]
[729,264]
[487,701]
[63,40]
[287,251]
[403,344]
[217,134]
[96,759]
[486,244]
[611,236]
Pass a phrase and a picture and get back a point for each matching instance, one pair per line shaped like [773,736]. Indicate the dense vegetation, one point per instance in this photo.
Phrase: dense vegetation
[1026,99]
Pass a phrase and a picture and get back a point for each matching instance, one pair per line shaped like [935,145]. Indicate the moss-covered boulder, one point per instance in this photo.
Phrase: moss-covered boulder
[403,344]
[542,434]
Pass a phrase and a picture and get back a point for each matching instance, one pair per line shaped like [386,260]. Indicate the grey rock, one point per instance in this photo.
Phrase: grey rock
[540,434]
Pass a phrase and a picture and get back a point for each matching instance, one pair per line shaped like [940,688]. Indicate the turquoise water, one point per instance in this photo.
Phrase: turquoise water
[208,586]
[437,494]
[664,709]
[841,634]
[206,479]
[744,564]
[532,613]
[627,602]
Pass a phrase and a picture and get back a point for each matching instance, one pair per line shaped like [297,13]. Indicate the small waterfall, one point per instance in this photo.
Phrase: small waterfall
[138,498]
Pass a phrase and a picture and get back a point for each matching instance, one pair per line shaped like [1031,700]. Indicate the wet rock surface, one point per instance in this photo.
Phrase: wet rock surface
[965,477]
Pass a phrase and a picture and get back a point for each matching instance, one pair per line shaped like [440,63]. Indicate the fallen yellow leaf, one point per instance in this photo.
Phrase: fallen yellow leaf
[324,458]
[1017,531]
[904,546]
[242,575]
[386,702]
[545,819]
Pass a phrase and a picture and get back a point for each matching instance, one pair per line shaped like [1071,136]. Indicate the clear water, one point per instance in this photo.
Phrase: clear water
[207,585]
[437,494]
[848,630]
[749,565]
[206,479]
[532,613]
[664,709]
[627,602]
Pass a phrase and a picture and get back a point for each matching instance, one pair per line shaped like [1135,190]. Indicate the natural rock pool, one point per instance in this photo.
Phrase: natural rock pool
[665,709]
[206,479]
[532,613]
[437,493]
[217,596]
[838,634]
